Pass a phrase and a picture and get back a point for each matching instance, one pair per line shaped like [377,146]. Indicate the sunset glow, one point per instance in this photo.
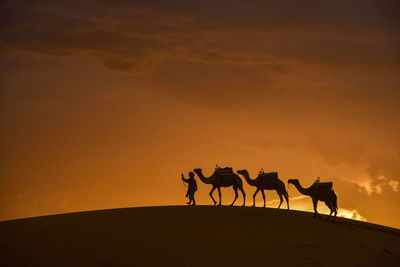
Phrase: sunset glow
[300,203]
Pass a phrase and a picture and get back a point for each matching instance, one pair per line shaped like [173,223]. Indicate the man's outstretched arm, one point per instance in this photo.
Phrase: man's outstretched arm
[185,180]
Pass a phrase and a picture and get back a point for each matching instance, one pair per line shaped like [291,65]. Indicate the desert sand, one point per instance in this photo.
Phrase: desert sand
[195,236]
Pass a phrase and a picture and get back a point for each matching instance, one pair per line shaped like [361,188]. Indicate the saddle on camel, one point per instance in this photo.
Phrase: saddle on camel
[223,171]
[324,185]
[272,176]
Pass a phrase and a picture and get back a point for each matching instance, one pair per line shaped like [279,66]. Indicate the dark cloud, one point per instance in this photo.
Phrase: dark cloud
[384,171]
[333,151]
[127,35]
[337,151]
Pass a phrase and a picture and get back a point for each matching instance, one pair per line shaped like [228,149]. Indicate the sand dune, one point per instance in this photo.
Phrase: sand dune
[195,236]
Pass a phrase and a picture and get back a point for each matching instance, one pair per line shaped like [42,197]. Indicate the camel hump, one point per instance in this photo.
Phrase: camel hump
[224,171]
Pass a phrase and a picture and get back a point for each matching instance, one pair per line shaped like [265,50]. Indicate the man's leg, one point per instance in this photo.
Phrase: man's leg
[191,196]
[194,201]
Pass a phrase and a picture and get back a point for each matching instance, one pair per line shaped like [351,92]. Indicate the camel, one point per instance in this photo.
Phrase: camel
[317,192]
[219,181]
[266,182]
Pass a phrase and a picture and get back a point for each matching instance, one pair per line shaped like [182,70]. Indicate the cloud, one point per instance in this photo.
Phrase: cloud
[137,37]
[239,53]
[337,151]
[333,151]
[383,170]
[351,214]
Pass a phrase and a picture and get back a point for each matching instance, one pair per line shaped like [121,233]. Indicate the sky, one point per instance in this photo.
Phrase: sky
[103,104]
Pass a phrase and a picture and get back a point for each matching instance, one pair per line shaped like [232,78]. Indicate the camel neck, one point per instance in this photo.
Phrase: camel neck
[206,180]
[249,180]
[304,191]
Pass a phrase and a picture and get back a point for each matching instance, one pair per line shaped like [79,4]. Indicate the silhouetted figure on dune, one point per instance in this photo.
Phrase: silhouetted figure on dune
[223,178]
[192,187]
[319,191]
[266,181]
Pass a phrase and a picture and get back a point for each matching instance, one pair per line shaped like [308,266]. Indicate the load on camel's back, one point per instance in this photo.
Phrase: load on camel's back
[324,185]
[223,171]
[273,176]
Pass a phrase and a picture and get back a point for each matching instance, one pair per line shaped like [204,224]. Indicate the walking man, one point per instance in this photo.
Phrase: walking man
[192,187]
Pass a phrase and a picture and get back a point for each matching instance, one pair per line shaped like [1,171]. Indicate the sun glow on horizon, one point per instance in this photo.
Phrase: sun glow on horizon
[296,203]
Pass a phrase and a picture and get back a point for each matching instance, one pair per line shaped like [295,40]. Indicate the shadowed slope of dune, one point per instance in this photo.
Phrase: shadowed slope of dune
[195,236]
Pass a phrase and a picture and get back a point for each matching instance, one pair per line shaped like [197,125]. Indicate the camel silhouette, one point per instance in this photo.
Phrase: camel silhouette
[266,181]
[217,181]
[318,192]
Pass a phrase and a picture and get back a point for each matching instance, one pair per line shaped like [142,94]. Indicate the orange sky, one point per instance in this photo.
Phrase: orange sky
[105,103]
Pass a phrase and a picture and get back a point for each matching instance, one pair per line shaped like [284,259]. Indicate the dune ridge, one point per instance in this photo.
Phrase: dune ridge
[195,236]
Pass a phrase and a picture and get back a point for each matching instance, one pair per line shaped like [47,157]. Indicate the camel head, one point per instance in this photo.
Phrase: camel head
[293,181]
[197,170]
[243,172]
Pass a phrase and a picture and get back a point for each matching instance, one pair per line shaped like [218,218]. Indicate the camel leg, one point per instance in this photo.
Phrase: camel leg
[287,199]
[236,195]
[281,198]
[329,215]
[254,197]
[219,194]
[262,192]
[335,207]
[211,192]
[334,218]
[331,209]
[315,203]
[244,195]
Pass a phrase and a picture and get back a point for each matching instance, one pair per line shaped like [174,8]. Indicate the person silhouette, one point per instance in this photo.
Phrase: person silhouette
[192,188]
